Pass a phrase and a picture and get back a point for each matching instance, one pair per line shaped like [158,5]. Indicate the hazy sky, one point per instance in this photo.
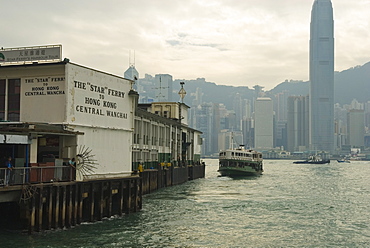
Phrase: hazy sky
[229,42]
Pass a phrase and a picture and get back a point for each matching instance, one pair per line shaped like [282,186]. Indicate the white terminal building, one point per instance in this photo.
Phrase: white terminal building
[52,110]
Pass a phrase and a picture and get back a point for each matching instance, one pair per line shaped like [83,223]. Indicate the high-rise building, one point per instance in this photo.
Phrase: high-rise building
[131,73]
[248,132]
[297,126]
[280,106]
[264,123]
[356,128]
[340,127]
[247,108]
[207,119]
[281,111]
[163,87]
[322,76]
[238,111]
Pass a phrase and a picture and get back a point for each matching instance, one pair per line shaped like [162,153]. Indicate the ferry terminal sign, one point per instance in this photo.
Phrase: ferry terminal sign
[31,54]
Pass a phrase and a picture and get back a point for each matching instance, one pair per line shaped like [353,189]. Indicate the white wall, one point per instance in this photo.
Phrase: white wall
[112,150]
[43,98]
[98,105]
[41,92]
[97,99]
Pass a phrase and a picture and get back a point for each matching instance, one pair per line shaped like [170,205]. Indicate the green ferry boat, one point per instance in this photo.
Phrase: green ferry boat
[240,162]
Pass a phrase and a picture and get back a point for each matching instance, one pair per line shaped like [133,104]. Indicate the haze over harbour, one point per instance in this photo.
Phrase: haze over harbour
[227,42]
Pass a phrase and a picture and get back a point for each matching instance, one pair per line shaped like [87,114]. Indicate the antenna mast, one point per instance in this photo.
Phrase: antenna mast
[130,63]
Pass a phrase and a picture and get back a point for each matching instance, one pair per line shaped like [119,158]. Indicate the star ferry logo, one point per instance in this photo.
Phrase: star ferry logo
[2,57]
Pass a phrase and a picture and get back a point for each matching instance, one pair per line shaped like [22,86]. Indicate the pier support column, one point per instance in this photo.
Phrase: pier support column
[56,206]
[109,200]
[63,206]
[120,197]
[92,202]
[127,197]
[32,216]
[39,209]
[74,204]
[80,203]
[49,207]
[101,201]
[68,206]
[136,195]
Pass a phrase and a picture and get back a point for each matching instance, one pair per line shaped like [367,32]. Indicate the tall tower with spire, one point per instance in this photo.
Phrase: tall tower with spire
[131,73]
[322,76]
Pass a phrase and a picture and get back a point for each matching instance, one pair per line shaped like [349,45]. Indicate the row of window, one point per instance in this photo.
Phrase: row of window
[145,131]
[240,154]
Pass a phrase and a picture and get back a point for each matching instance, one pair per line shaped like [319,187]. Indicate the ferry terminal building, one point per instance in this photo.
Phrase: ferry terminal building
[54,110]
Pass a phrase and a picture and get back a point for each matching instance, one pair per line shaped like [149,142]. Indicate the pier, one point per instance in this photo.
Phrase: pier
[154,179]
[39,206]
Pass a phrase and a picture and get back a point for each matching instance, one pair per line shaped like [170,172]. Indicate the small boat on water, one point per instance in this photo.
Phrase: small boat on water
[313,160]
[343,161]
[240,162]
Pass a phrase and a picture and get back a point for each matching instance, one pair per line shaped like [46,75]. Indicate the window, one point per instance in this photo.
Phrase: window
[10,91]
[2,99]
[14,90]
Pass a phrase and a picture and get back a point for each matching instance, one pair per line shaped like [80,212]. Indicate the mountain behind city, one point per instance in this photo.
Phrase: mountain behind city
[353,83]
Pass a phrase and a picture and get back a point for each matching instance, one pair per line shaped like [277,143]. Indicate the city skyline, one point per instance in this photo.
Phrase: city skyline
[227,42]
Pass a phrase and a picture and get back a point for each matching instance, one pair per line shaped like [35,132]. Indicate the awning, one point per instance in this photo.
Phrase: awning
[27,129]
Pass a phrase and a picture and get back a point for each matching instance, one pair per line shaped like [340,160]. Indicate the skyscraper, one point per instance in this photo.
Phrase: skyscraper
[263,123]
[356,128]
[163,87]
[297,126]
[322,76]
[131,73]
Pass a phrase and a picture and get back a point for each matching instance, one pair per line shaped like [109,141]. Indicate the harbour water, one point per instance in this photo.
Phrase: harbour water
[288,206]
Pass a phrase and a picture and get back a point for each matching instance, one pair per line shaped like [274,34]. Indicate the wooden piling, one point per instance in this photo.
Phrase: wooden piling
[56,206]
[39,208]
[109,199]
[74,204]
[63,207]
[121,198]
[92,202]
[69,206]
[31,221]
[100,200]
[80,198]
[127,197]
[66,204]
[49,208]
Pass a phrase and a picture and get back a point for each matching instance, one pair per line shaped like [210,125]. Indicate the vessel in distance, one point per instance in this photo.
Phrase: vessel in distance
[315,159]
[240,162]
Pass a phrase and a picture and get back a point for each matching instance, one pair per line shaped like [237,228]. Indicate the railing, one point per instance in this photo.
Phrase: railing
[44,174]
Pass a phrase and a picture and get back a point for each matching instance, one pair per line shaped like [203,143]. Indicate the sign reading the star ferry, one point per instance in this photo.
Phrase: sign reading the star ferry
[52,53]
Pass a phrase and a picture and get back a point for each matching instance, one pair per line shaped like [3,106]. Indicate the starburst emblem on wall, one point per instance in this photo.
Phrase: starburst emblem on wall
[85,162]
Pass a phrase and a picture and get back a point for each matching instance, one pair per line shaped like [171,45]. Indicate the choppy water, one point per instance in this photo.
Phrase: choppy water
[289,206]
